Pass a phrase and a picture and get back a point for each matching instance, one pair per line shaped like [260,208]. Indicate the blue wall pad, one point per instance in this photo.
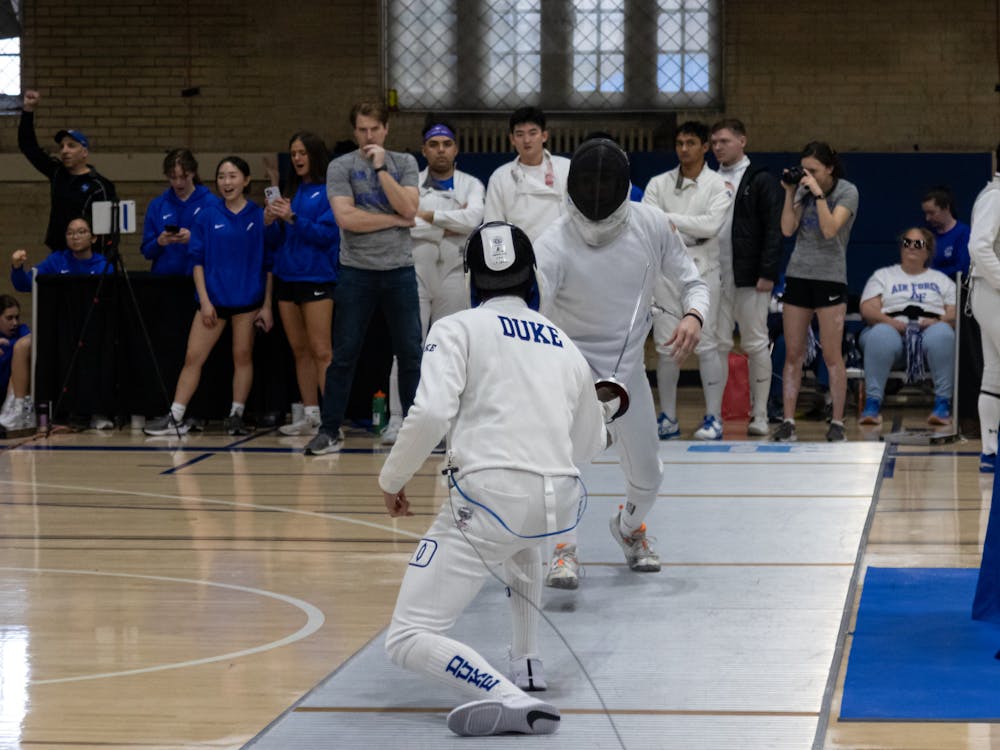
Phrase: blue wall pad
[917,653]
[986,605]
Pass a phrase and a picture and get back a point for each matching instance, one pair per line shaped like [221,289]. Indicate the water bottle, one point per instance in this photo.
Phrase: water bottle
[379,412]
[42,412]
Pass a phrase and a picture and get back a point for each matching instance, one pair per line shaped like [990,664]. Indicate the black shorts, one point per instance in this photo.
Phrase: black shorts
[813,293]
[227,313]
[301,292]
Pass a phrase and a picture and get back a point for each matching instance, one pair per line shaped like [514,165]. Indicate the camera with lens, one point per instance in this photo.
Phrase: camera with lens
[793,175]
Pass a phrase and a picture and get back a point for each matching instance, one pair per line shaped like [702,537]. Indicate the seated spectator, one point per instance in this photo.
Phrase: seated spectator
[78,259]
[166,229]
[15,367]
[910,310]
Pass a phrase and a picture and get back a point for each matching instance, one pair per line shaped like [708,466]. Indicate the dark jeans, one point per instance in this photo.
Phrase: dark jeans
[356,297]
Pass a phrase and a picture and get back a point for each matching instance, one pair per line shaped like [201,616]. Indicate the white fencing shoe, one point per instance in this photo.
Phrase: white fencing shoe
[528,674]
[521,714]
[638,554]
[564,569]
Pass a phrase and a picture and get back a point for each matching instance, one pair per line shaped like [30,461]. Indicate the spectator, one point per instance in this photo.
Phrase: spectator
[232,273]
[305,271]
[951,235]
[750,259]
[74,184]
[518,431]
[451,206]
[530,191]
[375,199]
[166,230]
[697,202]
[819,211]
[15,367]
[78,258]
[910,311]
[984,249]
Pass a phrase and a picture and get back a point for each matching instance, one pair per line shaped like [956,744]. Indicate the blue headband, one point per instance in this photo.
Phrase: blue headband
[439,131]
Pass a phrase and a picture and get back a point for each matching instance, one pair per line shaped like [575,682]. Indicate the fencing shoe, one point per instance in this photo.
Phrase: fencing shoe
[528,674]
[711,429]
[758,427]
[391,431]
[667,428]
[638,554]
[987,463]
[520,714]
[564,569]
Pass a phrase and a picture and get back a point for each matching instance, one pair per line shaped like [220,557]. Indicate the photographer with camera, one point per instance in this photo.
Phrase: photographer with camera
[819,211]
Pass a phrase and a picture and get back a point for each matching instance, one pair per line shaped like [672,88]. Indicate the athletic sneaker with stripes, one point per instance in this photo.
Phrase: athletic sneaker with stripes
[166,425]
[638,554]
[564,568]
[521,714]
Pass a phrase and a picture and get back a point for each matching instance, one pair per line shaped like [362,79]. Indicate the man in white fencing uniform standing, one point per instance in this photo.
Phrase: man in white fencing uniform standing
[518,403]
[451,206]
[598,266]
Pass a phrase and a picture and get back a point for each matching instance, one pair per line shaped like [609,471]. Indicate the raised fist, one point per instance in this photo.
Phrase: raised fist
[31,98]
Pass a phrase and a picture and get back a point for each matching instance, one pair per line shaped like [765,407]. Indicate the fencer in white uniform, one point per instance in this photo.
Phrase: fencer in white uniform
[518,402]
[598,266]
[451,206]
[984,250]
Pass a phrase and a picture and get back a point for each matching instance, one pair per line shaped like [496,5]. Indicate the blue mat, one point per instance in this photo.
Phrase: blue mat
[917,653]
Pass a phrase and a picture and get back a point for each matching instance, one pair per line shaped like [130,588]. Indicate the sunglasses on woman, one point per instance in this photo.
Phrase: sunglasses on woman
[919,244]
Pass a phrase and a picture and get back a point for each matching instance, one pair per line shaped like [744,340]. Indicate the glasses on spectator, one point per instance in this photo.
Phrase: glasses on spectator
[919,244]
[77,232]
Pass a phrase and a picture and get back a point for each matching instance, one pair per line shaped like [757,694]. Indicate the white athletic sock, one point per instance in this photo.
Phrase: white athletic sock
[525,600]
[713,381]
[638,503]
[989,421]
[312,411]
[668,372]
[454,663]
[760,382]
[236,410]
[177,411]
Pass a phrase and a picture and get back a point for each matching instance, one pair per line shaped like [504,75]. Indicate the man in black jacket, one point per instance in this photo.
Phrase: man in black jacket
[75,185]
[750,259]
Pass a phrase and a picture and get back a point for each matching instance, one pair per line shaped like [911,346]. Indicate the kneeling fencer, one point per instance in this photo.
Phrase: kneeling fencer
[592,263]
[519,405]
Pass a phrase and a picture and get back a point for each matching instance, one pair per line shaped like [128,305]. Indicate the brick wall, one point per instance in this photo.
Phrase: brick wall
[866,76]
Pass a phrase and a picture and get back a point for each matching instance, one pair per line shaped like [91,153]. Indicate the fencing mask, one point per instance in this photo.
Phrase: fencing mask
[598,180]
[499,258]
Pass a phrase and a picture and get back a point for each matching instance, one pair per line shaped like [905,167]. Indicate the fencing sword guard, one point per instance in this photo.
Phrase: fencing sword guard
[608,389]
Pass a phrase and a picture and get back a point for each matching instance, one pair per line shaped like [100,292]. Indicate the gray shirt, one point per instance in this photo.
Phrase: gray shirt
[815,256]
[352,176]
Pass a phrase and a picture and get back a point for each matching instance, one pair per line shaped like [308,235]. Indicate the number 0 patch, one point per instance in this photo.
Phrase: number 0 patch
[424,553]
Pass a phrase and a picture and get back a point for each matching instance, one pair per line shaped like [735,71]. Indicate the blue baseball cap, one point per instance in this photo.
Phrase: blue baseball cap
[76,135]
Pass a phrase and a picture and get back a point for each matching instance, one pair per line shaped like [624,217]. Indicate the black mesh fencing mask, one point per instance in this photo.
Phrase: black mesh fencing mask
[598,178]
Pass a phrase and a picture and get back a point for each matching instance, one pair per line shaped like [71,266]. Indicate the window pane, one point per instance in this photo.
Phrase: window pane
[10,66]
[422,60]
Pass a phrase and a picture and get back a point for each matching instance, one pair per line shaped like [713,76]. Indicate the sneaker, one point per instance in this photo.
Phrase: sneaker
[871,415]
[528,674]
[667,428]
[836,433]
[638,554]
[324,443]
[987,463]
[711,429]
[758,427]
[19,416]
[195,425]
[564,569]
[165,425]
[101,422]
[785,433]
[304,426]
[234,425]
[941,413]
[520,714]
[391,431]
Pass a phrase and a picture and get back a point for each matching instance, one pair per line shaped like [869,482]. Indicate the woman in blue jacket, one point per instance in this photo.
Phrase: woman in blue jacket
[232,273]
[305,270]
[166,230]
[78,259]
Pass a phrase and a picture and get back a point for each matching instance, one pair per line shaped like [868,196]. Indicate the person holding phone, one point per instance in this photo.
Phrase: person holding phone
[231,266]
[305,271]
[166,229]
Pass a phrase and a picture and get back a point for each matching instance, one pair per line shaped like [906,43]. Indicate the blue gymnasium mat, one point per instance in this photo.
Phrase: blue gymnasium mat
[917,653]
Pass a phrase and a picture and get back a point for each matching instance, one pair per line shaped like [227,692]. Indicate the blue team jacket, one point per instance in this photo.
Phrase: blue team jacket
[60,262]
[235,252]
[166,209]
[310,248]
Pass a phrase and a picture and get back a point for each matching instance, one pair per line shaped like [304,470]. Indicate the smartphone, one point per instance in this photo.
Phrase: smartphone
[272,193]
[171,229]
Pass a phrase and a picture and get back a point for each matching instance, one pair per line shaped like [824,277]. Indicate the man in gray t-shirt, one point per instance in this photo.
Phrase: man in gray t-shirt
[375,197]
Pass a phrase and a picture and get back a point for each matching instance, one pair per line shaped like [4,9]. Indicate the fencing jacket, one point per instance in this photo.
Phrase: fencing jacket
[512,391]
[514,196]
[984,240]
[456,211]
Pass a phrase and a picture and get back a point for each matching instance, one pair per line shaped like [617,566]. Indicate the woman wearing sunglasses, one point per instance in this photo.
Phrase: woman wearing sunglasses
[910,311]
